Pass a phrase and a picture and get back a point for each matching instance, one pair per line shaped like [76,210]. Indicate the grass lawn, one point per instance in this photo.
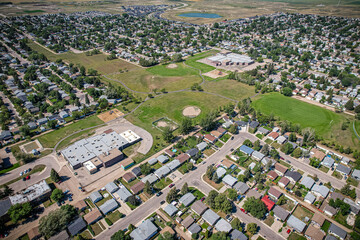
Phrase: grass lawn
[131,149]
[102,201]
[295,236]
[48,203]
[269,220]
[90,203]
[230,88]
[276,145]
[24,237]
[114,216]
[96,228]
[289,205]
[76,137]
[325,226]
[225,137]
[301,213]
[130,184]
[163,183]
[208,152]
[326,123]
[285,164]
[323,169]
[219,144]
[156,166]
[337,175]
[86,234]
[342,220]
[49,140]
[352,181]
[30,146]
[260,136]
[97,62]
[14,166]
[199,195]
[217,186]
[192,61]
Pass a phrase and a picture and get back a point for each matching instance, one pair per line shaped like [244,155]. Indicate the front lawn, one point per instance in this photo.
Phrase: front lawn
[102,201]
[269,220]
[295,236]
[114,216]
[96,228]
[260,136]
[325,227]
[337,175]
[164,182]
[217,186]
[219,144]
[225,137]
[352,181]
[324,169]
[208,152]
[269,141]
[199,195]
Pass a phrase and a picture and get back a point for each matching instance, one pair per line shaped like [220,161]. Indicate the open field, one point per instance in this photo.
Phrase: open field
[110,115]
[327,124]
[49,140]
[230,88]
[97,62]
[192,61]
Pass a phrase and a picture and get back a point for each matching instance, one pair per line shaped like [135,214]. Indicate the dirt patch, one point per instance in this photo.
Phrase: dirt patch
[165,122]
[28,147]
[172,65]
[191,112]
[110,115]
[215,73]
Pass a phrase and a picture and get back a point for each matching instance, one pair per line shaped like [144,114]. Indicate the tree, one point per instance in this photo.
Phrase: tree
[54,176]
[184,189]
[133,200]
[252,228]
[211,198]
[349,105]
[172,195]
[274,154]
[236,224]
[233,129]
[209,171]
[215,178]
[8,191]
[57,195]
[120,235]
[185,126]
[145,169]
[52,124]
[265,150]
[226,206]
[220,236]
[57,220]
[248,143]
[25,130]
[346,190]
[19,211]
[131,227]
[286,91]
[287,148]
[168,134]
[177,57]
[256,207]
[207,122]
[297,153]
[147,187]
[219,199]
[257,145]
[232,194]
[282,200]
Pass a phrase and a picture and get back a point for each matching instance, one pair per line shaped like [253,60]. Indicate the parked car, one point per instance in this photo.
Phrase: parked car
[28,177]
[288,231]
[171,185]
[162,202]
[158,194]
[24,179]
[202,199]
[21,173]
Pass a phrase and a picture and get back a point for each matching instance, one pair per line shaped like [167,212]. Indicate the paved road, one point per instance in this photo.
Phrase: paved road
[193,179]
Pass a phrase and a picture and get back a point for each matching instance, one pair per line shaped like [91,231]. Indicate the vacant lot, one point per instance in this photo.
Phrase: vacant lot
[326,123]
[230,88]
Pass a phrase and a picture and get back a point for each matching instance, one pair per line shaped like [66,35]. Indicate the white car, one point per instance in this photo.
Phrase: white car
[21,173]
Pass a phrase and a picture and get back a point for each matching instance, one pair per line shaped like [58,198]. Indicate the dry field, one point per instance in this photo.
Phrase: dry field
[110,115]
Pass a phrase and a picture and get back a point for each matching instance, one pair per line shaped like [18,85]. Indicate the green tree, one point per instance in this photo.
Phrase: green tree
[287,148]
[256,207]
[57,195]
[286,91]
[349,105]
[219,199]
[172,195]
[52,124]
[184,189]
[274,154]
[236,224]
[297,153]
[211,198]
[147,187]
[233,129]
[177,57]
[208,121]
[220,236]
[232,194]
[210,171]
[185,126]
[56,221]
[167,134]
[19,211]
[120,235]
[252,228]
[145,169]
[133,200]
[54,176]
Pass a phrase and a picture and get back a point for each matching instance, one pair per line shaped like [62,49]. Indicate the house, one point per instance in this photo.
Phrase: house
[329,210]
[280,213]
[241,187]
[162,172]
[354,208]
[138,187]
[317,219]
[182,158]
[209,138]
[307,182]
[188,221]
[151,178]
[80,205]
[281,140]
[34,233]
[253,125]
[253,193]
[92,216]
[314,233]
[194,228]
[293,176]
[257,155]
[356,174]
[111,187]
[187,199]
[284,181]
[122,194]
[216,134]
[145,231]
[272,175]
[198,207]
[210,217]
[296,223]
[201,146]
[76,226]
[263,131]
[328,162]
[237,235]
[170,209]
[173,165]
[320,190]
[336,195]
[169,153]
[316,153]
[273,136]
[309,198]
[229,180]
[128,177]
[343,169]
[192,152]
[223,226]
[152,161]
[5,135]
[227,164]
[136,171]
[268,203]
[247,150]
[345,160]
[95,197]
[274,193]
[280,169]
[63,235]
[109,206]
[337,231]
[162,159]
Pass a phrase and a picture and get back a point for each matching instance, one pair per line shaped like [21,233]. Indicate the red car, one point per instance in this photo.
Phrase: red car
[28,177]
[288,231]
[243,210]
[171,185]
[202,199]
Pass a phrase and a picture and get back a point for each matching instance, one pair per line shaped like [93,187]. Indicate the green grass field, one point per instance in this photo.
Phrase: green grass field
[192,61]
[327,124]
[49,140]
[230,88]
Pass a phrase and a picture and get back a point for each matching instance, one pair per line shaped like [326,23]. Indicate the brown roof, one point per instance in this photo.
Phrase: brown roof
[108,131]
[253,193]
[221,130]
[128,176]
[336,195]
[199,135]
[280,168]
[198,207]
[209,138]
[227,163]
[169,153]
[274,135]
[272,175]
[285,181]
[330,209]
[80,204]
[33,233]
[113,153]
[314,233]
[126,162]
[92,216]
[182,158]
[318,154]
[216,133]
[138,187]
[188,221]
[274,192]
[318,218]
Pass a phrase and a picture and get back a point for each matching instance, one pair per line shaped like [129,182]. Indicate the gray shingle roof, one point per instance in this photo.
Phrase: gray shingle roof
[308,182]
[229,180]
[162,158]
[111,187]
[223,226]
[322,190]
[257,155]
[210,217]
[343,169]
[201,146]
[336,230]
[144,231]
[192,152]
[152,161]
[194,228]
[280,213]
[95,197]
[108,206]
[310,198]
[296,223]
[151,178]
[170,209]
[356,174]
[187,199]
[162,172]
[328,162]
[292,175]
[237,235]
[4,206]
[220,172]
[123,194]
[173,164]
[198,207]
[241,187]
[76,226]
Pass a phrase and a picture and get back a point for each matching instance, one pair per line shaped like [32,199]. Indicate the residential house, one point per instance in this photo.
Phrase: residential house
[318,220]
[220,172]
[169,153]
[263,131]
[320,190]
[296,223]
[356,174]
[188,221]
[268,203]
[109,206]
[328,162]
[337,231]
[257,155]
[162,159]
[137,187]
[182,158]
[210,217]
[247,150]
[293,176]
[128,177]
[63,235]
[151,178]
[201,146]
[241,187]
[194,228]
[353,206]
[226,163]
[280,169]
[229,180]
[281,140]
[145,231]
[274,193]
[314,233]
[76,226]
[92,216]
[170,209]
[111,187]
[95,197]
[237,235]
[199,208]
[283,182]
[280,213]
[152,161]
[336,195]
[136,171]
[307,182]
[123,194]
[273,136]
[173,164]
[329,210]
[223,226]
[253,125]
[272,175]
[309,198]
[316,153]
[187,199]
[209,138]
[343,169]
[162,172]
[34,233]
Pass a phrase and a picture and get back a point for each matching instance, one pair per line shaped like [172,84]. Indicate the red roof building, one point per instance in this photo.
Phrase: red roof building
[209,138]
[269,204]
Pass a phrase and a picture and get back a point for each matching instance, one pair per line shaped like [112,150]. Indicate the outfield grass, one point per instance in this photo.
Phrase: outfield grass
[327,124]
[230,88]
[49,140]
[192,61]
[97,61]
[180,70]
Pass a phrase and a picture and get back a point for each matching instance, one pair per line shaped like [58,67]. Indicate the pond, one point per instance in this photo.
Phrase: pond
[200,15]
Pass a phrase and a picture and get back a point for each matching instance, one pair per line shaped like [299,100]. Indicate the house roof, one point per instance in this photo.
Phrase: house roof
[318,218]
[245,149]
[296,223]
[138,187]
[136,171]
[328,162]
[314,233]
[263,130]
[226,163]
[343,169]
[272,191]
[309,197]
[241,187]
[198,207]
[108,206]
[123,194]
[280,168]
[151,178]
[169,153]
[192,152]
[170,209]
[33,233]
[273,135]
[253,193]
[162,172]
[237,235]
[335,229]
[4,206]
[144,231]
[220,171]
[281,139]
[285,181]
[95,197]
[187,199]
[272,175]
[320,189]
[173,164]
[188,221]
[92,216]
[257,155]
[162,158]
[223,226]
[330,209]
[318,154]
[254,124]
[76,226]
[152,161]
[128,176]
[209,137]
[280,212]
[111,187]
[229,180]
[308,182]
[80,204]
[182,158]
[295,176]
[336,195]
[268,203]
[194,228]
[354,208]
[201,146]
[210,217]
[63,235]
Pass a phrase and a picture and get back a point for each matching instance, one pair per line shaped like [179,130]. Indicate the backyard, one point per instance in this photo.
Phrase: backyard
[302,213]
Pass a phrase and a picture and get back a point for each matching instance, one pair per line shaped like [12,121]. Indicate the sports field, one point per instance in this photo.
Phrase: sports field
[326,123]
[230,88]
